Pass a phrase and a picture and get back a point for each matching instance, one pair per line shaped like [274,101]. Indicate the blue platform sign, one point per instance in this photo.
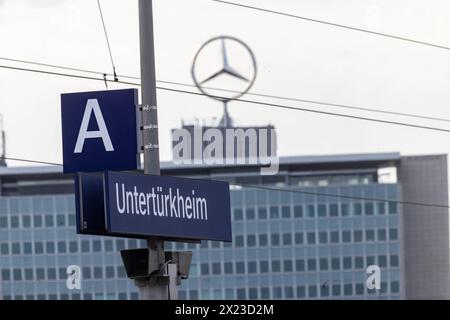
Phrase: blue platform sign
[99,130]
[145,205]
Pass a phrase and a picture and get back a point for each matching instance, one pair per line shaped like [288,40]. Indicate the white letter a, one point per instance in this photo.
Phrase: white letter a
[92,105]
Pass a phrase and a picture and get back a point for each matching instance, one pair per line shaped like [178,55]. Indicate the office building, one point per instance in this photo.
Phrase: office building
[309,232]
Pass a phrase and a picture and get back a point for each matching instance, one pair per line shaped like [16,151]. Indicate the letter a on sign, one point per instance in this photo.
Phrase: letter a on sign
[102,132]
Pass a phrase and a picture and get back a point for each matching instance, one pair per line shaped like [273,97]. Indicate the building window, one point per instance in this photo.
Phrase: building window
[15,222]
[121,272]
[216,268]
[17,274]
[325,291]
[312,265]
[382,261]
[359,263]
[322,210]
[85,246]
[15,248]
[392,207]
[301,292]
[97,245]
[381,235]
[40,274]
[51,274]
[395,287]
[4,249]
[336,290]
[109,245]
[265,293]
[370,260]
[323,264]
[381,208]
[358,235]
[264,266]
[73,246]
[345,209]
[311,238]
[228,266]
[4,222]
[63,275]
[299,238]
[98,272]
[26,221]
[357,209]
[50,247]
[334,236]
[298,211]
[253,293]
[262,213]
[39,247]
[346,236]
[287,239]
[251,240]
[6,275]
[300,265]
[334,210]
[238,215]
[359,289]
[71,220]
[62,247]
[274,213]
[393,234]
[275,239]
[368,208]
[28,273]
[49,221]
[250,213]
[288,292]
[347,262]
[276,266]
[335,263]
[311,209]
[348,289]
[263,240]
[27,248]
[370,235]
[286,212]
[251,265]
[37,221]
[239,241]
[120,244]
[312,291]
[204,268]
[323,237]
[109,272]
[240,267]
[60,220]
[277,293]
[393,260]
[287,266]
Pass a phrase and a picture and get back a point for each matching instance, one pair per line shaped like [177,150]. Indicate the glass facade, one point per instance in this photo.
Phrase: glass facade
[287,245]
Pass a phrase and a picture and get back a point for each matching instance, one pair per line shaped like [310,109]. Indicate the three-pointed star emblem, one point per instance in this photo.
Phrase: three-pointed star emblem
[226,68]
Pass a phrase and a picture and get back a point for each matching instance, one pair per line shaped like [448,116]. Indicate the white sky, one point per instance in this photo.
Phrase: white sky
[295,58]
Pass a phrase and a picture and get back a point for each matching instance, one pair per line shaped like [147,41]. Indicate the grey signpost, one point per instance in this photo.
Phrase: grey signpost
[149,289]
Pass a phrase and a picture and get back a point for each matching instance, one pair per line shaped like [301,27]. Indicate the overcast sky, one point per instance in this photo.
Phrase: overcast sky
[295,58]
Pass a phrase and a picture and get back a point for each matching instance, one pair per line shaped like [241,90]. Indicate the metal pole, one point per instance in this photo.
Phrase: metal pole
[150,290]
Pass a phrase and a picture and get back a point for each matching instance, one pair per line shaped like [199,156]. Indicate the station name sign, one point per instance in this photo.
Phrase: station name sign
[141,206]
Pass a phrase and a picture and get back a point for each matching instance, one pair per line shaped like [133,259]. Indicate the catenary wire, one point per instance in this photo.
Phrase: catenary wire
[280,106]
[268,188]
[107,40]
[334,24]
[256,94]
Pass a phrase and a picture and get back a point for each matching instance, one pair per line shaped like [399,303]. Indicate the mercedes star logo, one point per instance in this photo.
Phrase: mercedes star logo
[237,82]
